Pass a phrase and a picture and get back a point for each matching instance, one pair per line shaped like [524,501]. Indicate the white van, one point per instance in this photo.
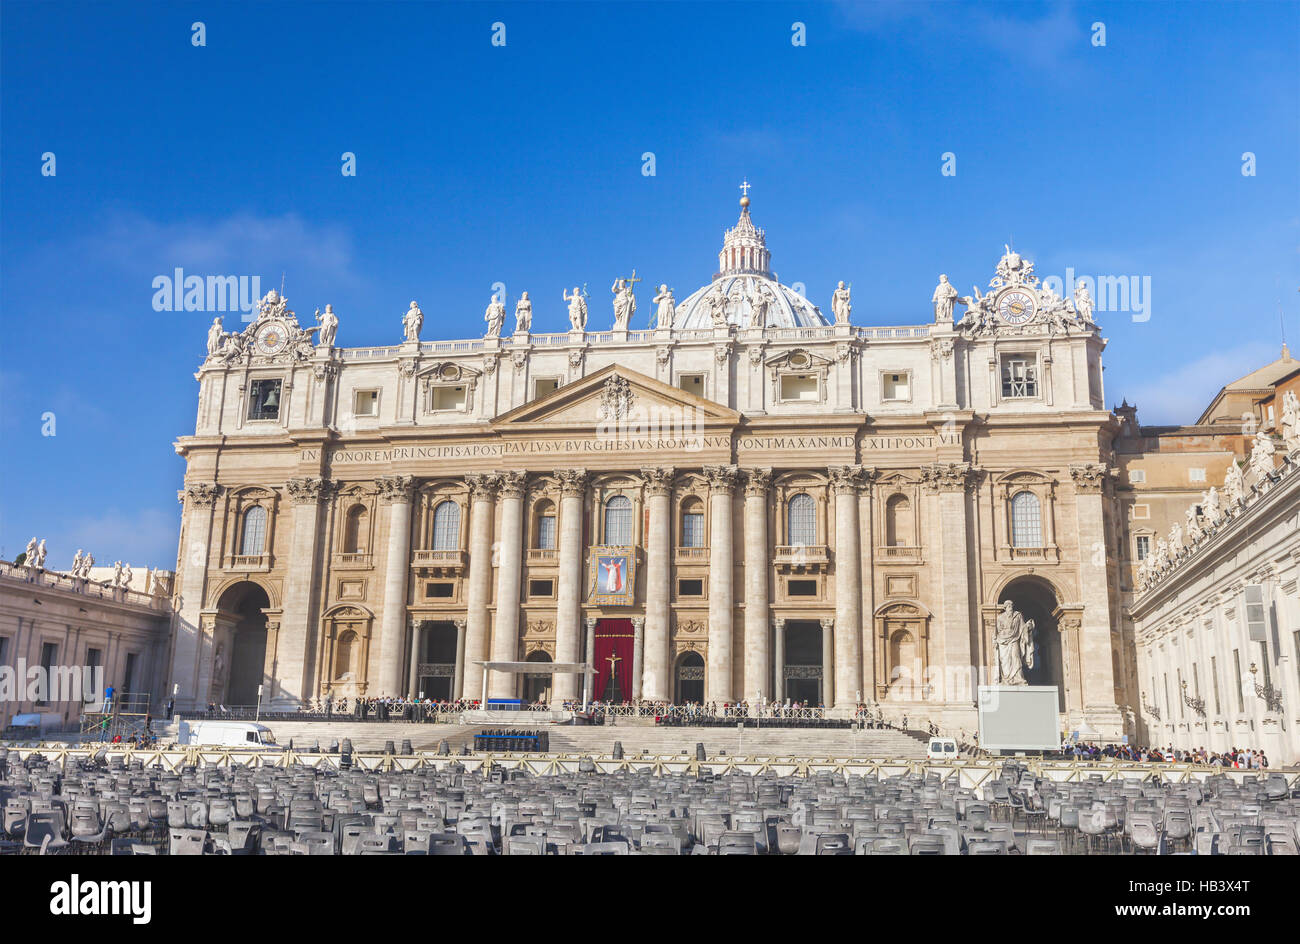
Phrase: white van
[227,734]
[941,749]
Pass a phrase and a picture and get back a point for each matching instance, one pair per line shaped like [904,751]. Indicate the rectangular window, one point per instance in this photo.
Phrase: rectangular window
[1168,704]
[1214,683]
[4,650]
[264,400]
[543,386]
[1236,668]
[1137,476]
[1019,377]
[1143,544]
[690,588]
[692,383]
[365,403]
[94,657]
[1196,475]
[1196,679]
[802,588]
[896,386]
[1182,702]
[799,388]
[546,532]
[49,658]
[541,588]
[443,591]
[1295,639]
[693,529]
[451,397]
[1141,512]
[128,676]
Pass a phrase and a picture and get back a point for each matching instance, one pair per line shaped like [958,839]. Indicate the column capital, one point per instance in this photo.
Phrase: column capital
[573,482]
[513,484]
[416,621]
[483,486]
[590,623]
[828,624]
[1091,477]
[638,623]
[201,494]
[757,482]
[946,476]
[395,488]
[658,481]
[307,491]
[778,624]
[847,479]
[460,624]
[722,478]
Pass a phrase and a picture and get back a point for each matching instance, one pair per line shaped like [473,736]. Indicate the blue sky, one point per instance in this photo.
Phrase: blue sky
[523,164]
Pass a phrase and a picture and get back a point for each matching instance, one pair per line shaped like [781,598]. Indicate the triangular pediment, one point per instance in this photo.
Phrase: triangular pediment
[614,394]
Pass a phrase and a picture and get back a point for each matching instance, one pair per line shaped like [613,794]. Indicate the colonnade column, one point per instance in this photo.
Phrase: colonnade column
[828,662]
[722,482]
[568,595]
[505,634]
[756,677]
[638,648]
[483,493]
[412,678]
[778,689]
[654,678]
[589,652]
[458,677]
[395,492]
[845,480]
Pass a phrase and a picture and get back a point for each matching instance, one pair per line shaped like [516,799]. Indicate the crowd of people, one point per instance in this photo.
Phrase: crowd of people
[1237,758]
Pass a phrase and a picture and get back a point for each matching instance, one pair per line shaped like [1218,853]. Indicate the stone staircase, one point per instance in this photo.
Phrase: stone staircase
[635,738]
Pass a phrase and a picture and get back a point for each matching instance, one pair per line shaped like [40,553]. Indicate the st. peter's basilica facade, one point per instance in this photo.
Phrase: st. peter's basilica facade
[747,501]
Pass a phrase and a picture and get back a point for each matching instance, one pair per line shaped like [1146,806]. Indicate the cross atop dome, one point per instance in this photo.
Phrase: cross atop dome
[744,189]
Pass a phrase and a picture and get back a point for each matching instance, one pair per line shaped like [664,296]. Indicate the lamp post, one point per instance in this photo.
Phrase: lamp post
[258,714]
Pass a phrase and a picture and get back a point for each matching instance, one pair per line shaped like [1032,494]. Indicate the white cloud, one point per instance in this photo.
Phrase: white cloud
[1179,396]
[144,538]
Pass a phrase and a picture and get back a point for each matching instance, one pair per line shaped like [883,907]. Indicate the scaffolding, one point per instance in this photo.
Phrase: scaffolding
[127,714]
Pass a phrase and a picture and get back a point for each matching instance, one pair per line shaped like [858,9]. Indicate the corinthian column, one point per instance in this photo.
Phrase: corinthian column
[722,481]
[757,684]
[395,492]
[568,593]
[483,495]
[828,662]
[845,480]
[197,501]
[505,634]
[658,580]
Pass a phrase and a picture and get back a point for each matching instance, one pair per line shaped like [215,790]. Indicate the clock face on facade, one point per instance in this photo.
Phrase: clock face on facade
[271,338]
[1016,307]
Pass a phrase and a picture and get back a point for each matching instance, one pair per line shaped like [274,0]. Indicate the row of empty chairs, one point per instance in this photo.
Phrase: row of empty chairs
[107,808]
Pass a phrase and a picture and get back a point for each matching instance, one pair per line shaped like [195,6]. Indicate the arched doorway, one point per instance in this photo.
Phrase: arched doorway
[1034,598]
[803,662]
[437,663]
[689,675]
[538,687]
[244,605]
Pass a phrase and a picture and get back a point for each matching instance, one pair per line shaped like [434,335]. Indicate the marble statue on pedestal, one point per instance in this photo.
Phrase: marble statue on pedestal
[1234,485]
[1014,640]
[495,316]
[329,327]
[944,298]
[76,564]
[1291,421]
[624,301]
[1194,530]
[758,305]
[1261,456]
[577,309]
[841,304]
[717,302]
[413,322]
[215,337]
[523,314]
[1210,506]
[667,305]
[1083,301]
[40,554]
[30,559]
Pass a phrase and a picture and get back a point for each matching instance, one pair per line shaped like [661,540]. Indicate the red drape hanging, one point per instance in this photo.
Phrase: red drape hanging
[613,637]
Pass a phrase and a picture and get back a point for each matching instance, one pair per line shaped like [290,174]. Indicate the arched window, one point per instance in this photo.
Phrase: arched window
[1026,520]
[446,526]
[801,521]
[253,538]
[618,521]
[692,523]
[356,531]
[544,530]
[898,522]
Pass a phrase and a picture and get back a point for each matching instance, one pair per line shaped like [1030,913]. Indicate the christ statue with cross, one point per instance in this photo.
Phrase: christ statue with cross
[613,691]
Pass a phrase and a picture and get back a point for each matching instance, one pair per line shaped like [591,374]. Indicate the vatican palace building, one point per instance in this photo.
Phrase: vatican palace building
[748,500]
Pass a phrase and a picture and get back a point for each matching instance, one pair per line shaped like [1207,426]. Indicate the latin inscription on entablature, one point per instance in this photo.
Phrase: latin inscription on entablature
[908,443]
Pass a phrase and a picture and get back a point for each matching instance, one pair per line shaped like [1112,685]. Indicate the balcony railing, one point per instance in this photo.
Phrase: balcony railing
[250,562]
[899,552]
[801,555]
[453,560]
[358,559]
[691,554]
[542,555]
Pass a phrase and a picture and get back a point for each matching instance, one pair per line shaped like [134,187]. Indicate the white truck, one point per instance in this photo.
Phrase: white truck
[227,734]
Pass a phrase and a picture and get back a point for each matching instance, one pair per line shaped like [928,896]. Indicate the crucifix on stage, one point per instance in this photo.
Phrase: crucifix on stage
[613,691]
